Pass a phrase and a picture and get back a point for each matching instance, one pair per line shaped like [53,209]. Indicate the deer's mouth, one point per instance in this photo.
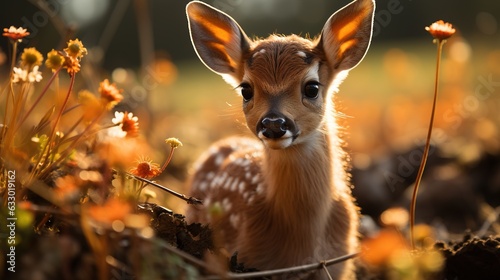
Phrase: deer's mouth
[282,142]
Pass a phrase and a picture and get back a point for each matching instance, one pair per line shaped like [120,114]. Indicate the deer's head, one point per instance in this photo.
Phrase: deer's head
[286,82]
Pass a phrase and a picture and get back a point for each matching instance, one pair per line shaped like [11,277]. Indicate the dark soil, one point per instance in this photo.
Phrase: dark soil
[471,258]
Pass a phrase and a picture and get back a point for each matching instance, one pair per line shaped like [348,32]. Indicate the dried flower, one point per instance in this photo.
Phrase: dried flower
[54,60]
[76,49]
[173,142]
[110,94]
[31,57]
[441,30]
[15,33]
[71,64]
[146,168]
[127,122]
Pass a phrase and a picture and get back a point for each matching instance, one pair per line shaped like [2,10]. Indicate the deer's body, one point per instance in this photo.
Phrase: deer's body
[284,200]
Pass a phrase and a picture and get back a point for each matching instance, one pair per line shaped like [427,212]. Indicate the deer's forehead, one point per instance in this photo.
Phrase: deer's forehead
[279,65]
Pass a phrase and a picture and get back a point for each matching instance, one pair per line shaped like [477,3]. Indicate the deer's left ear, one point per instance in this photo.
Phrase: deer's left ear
[218,40]
[347,34]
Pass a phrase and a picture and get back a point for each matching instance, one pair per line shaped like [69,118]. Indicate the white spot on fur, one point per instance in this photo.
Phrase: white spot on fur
[219,159]
[227,183]
[226,204]
[210,175]
[203,186]
[255,179]
[261,51]
[302,54]
[234,219]
[207,201]
[260,188]
[234,185]
[241,187]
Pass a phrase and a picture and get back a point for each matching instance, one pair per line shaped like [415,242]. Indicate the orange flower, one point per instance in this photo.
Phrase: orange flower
[114,209]
[146,169]
[110,94]
[71,64]
[66,188]
[441,30]
[377,251]
[15,33]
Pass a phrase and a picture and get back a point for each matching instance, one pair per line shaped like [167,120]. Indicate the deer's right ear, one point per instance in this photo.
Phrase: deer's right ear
[218,40]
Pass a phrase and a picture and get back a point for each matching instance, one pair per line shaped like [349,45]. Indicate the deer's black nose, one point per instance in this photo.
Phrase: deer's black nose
[273,126]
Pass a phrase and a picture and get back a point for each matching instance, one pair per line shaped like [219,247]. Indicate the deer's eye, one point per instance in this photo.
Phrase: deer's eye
[311,90]
[246,92]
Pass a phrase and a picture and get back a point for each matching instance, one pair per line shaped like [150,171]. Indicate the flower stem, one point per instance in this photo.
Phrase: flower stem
[172,149]
[426,148]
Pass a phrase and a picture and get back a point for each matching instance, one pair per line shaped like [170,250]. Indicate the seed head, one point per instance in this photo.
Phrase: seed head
[173,142]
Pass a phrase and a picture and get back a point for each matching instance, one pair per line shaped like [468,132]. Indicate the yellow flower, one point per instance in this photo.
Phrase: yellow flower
[15,33]
[441,30]
[31,57]
[173,142]
[76,49]
[146,169]
[54,60]
[110,94]
[91,106]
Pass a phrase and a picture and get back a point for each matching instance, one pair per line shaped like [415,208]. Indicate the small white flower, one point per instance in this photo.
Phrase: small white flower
[35,75]
[19,30]
[118,117]
[116,132]
[19,75]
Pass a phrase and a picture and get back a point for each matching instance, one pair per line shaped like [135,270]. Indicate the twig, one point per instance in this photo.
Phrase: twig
[492,217]
[293,269]
[189,200]
[326,271]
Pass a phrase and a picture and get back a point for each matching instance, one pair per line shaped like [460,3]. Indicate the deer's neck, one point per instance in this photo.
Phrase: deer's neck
[293,218]
[300,180]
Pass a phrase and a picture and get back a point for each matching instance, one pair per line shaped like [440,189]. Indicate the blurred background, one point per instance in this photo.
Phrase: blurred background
[144,47]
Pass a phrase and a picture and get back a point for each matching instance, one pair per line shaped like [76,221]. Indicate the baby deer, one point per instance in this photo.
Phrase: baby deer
[285,198]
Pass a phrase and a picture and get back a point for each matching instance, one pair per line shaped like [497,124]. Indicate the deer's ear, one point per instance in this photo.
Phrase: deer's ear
[347,34]
[218,40]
